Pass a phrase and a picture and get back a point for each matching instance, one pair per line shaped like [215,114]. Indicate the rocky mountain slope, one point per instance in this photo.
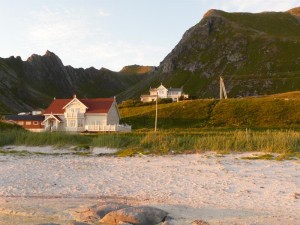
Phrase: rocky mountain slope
[25,85]
[255,53]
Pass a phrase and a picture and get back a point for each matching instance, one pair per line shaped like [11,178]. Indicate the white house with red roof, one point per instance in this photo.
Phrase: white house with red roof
[163,92]
[78,115]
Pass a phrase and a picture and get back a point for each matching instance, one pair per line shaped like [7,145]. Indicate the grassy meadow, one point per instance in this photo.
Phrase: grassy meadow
[275,111]
[284,142]
[268,124]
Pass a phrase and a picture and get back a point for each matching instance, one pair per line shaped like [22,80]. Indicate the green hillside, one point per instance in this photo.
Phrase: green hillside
[256,53]
[278,111]
[31,84]
[137,69]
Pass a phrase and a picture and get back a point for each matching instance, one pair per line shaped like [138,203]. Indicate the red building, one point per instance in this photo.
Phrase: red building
[28,122]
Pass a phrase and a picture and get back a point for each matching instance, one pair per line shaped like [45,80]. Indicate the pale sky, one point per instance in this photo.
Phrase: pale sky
[109,33]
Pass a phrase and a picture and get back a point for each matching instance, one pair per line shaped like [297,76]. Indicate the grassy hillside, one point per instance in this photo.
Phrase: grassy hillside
[137,69]
[256,53]
[277,111]
[8,127]
[30,84]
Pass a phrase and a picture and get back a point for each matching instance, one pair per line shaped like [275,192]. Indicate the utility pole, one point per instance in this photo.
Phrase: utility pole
[155,127]
[223,93]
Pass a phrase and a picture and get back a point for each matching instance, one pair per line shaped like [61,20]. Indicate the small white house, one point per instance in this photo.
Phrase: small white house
[78,115]
[163,92]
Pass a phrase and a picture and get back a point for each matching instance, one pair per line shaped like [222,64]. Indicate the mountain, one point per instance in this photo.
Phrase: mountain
[256,53]
[25,85]
[137,69]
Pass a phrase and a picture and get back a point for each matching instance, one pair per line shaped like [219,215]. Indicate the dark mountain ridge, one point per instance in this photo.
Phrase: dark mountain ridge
[256,53]
[29,84]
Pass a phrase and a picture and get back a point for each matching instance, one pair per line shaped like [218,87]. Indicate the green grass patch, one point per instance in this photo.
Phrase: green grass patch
[132,151]
[222,141]
[58,139]
[262,157]
[278,111]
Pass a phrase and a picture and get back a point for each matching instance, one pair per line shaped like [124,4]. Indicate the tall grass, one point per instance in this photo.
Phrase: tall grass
[264,112]
[117,140]
[275,141]
[240,141]
[20,137]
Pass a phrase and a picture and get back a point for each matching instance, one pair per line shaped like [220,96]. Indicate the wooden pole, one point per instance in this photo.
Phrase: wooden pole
[221,89]
[155,127]
[223,93]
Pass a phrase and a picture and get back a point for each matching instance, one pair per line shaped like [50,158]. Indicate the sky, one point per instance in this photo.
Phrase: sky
[109,33]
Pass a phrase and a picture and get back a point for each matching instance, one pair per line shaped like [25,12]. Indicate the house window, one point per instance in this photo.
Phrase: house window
[35,123]
[20,122]
[28,123]
[71,123]
[80,123]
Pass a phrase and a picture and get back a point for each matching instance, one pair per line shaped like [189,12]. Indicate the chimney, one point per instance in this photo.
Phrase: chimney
[74,96]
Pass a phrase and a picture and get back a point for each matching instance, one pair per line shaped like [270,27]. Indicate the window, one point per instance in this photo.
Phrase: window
[35,123]
[80,123]
[28,123]
[20,122]
[71,123]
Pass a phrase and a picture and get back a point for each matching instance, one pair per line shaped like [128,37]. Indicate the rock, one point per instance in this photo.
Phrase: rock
[296,195]
[95,213]
[124,223]
[102,210]
[141,215]
[48,224]
[78,223]
[168,221]
[200,222]
[85,215]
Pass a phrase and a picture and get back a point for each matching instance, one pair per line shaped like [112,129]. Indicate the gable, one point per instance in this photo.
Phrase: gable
[162,88]
[75,103]
[98,105]
[56,106]
[94,105]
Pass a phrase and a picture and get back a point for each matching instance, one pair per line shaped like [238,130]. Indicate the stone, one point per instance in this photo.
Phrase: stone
[78,223]
[102,210]
[200,222]
[95,213]
[85,215]
[48,224]
[168,221]
[141,215]
[124,223]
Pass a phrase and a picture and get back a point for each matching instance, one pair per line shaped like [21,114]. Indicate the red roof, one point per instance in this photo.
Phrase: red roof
[94,105]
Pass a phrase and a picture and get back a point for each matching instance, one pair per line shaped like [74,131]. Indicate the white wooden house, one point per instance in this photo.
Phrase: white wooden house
[78,115]
[163,92]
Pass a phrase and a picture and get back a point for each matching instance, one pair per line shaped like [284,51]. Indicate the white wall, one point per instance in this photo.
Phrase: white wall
[99,119]
[75,106]
[113,116]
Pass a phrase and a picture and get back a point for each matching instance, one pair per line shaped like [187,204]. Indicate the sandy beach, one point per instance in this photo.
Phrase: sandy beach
[221,189]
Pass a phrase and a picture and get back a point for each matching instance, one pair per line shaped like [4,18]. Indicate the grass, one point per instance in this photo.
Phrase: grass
[224,141]
[278,111]
[22,137]
[9,126]
[263,157]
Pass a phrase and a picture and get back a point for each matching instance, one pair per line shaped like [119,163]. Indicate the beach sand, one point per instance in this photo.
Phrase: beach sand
[220,189]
